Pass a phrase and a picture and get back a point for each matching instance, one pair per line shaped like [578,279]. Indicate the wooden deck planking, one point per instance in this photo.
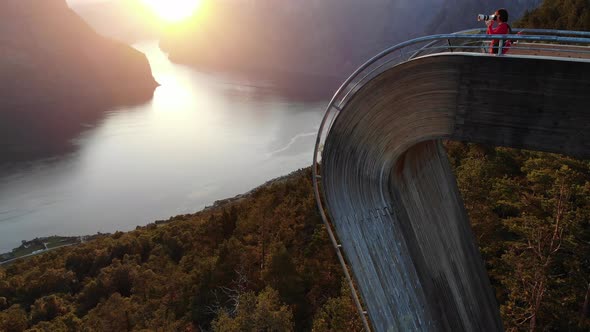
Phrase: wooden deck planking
[418,267]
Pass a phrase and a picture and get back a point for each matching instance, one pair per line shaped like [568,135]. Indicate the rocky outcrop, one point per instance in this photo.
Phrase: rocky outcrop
[57,72]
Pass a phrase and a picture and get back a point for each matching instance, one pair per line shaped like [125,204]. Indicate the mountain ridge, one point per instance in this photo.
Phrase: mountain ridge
[298,42]
[57,74]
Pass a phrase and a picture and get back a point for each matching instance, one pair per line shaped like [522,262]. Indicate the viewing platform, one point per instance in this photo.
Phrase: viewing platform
[384,185]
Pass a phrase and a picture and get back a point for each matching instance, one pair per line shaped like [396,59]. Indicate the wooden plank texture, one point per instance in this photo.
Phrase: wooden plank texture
[393,199]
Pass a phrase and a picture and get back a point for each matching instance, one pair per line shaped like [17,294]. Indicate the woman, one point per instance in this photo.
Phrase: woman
[501,16]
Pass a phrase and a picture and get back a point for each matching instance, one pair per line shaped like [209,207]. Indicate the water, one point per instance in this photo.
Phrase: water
[203,137]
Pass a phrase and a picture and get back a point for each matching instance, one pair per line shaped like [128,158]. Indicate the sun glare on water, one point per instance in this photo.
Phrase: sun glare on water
[173,10]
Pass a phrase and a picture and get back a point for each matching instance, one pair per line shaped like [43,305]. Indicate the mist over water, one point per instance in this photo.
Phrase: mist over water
[203,137]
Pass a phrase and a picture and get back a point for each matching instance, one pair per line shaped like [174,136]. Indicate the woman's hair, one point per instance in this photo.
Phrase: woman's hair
[503,14]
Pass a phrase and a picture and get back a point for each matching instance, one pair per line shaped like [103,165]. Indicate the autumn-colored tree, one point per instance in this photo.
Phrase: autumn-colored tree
[277,269]
[47,308]
[14,319]
[338,314]
[550,210]
[115,314]
[558,14]
[66,323]
[531,218]
[281,274]
[256,313]
[3,303]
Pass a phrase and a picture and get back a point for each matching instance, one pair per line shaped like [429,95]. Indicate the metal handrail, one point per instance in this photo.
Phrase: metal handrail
[521,30]
[349,87]
[437,38]
[546,32]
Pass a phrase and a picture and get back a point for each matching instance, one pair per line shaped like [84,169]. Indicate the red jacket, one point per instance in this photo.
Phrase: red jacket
[501,29]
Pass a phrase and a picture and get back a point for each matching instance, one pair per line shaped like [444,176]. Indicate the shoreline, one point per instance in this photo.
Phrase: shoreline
[41,245]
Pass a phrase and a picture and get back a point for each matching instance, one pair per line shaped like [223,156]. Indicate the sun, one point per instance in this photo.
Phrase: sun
[173,10]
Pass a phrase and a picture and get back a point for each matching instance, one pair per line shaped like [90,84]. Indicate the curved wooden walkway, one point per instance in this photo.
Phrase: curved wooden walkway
[392,196]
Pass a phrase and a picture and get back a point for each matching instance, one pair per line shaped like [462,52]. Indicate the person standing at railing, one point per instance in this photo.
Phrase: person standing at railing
[500,16]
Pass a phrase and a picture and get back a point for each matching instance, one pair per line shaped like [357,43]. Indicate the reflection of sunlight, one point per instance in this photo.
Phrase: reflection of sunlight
[173,10]
[180,112]
[176,91]
[173,95]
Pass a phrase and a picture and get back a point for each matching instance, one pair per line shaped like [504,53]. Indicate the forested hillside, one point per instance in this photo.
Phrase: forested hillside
[530,212]
[315,44]
[260,263]
[559,14]
[59,75]
[264,262]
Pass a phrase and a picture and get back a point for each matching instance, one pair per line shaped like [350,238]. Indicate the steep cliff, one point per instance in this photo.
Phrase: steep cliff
[294,43]
[56,73]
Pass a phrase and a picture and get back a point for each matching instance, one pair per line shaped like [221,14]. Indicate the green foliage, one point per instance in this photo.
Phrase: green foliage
[264,262]
[66,323]
[530,212]
[281,274]
[268,248]
[558,14]
[47,308]
[14,319]
[338,314]
[256,313]
[115,314]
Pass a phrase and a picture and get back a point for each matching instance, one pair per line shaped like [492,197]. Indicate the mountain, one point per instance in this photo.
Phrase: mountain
[125,20]
[457,15]
[295,43]
[57,73]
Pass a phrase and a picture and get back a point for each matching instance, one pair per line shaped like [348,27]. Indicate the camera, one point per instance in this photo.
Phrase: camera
[482,17]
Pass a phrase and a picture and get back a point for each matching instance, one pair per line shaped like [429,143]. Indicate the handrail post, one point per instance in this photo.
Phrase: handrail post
[359,77]
[500,47]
